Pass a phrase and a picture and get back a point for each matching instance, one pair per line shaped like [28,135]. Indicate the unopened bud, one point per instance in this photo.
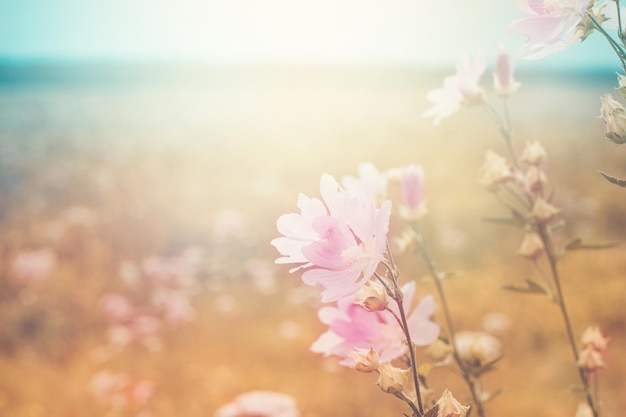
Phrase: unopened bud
[534,153]
[450,407]
[544,211]
[532,246]
[590,359]
[614,116]
[594,338]
[392,380]
[372,296]
[364,360]
[438,351]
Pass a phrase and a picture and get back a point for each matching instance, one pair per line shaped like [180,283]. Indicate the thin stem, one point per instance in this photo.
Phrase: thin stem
[616,46]
[407,334]
[619,22]
[551,255]
[449,323]
[505,131]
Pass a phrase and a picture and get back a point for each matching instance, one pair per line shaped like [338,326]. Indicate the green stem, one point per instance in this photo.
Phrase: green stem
[505,131]
[552,258]
[617,48]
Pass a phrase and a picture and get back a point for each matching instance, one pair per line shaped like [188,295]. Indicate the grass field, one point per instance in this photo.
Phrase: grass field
[107,174]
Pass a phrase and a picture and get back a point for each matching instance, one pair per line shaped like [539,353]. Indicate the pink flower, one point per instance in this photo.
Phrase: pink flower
[116,307]
[260,404]
[370,181]
[552,26]
[352,327]
[119,390]
[173,306]
[503,81]
[412,189]
[33,267]
[460,89]
[340,241]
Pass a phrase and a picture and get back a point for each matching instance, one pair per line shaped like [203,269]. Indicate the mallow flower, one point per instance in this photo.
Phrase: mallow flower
[553,25]
[339,240]
[462,88]
[352,327]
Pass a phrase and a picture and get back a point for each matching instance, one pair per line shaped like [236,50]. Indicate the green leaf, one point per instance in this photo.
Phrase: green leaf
[578,244]
[613,180]
[529,287]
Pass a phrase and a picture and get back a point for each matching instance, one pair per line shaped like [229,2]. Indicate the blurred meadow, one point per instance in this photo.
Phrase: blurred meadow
[112,175]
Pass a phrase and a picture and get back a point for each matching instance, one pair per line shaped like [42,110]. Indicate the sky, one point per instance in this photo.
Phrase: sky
[430,33]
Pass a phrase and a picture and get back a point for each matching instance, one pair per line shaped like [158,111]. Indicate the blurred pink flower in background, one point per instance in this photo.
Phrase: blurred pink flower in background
[341,241]
[32,267]
[503,81]
[262,275]
[370,181]
[260,404]
[119,391]
[174,307]
[116,307]
[412,179]
[551,27]
[352,326]
[462,88]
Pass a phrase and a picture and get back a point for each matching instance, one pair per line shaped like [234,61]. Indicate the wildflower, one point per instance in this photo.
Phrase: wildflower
[590,359]
[392,380]
[533,180]
[462,88]
[532,246]
[370,180]
[477,349]
[260,404]
[503,81]
[365,360]
[534,153]
[372,296]
[552,27]
[340,241]
[495,171]
[584,410]
[594,338]
[614,116]
[543,211]
[351,326]
[448,406]
[412,189]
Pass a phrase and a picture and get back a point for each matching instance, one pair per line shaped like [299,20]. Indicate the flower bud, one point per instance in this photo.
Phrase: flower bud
[412,189]
[478,349]
[450,407]
[392,380]
[614,116]
[531,247]
[621,79]
[590,359]
[534,153]
[438,351]
[593,337]
[503,81]
[543,211]
[372,296]
[364,360]
[534,178]
[495,171]
[584,410]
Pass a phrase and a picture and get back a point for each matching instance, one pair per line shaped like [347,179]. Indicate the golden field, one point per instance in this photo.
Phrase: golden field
[160,162]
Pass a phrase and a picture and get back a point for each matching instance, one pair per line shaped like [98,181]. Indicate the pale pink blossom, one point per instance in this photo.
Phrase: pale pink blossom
[503,81]
[553,25]
[339,241]
[412,190]
[174,307]
[462,88]
[118,390]
[351,326]
[32,267]
[260,404]
[116,307]
[593,337]
[370,181]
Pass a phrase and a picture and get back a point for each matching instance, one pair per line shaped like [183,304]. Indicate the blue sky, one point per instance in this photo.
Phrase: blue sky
[300,32]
